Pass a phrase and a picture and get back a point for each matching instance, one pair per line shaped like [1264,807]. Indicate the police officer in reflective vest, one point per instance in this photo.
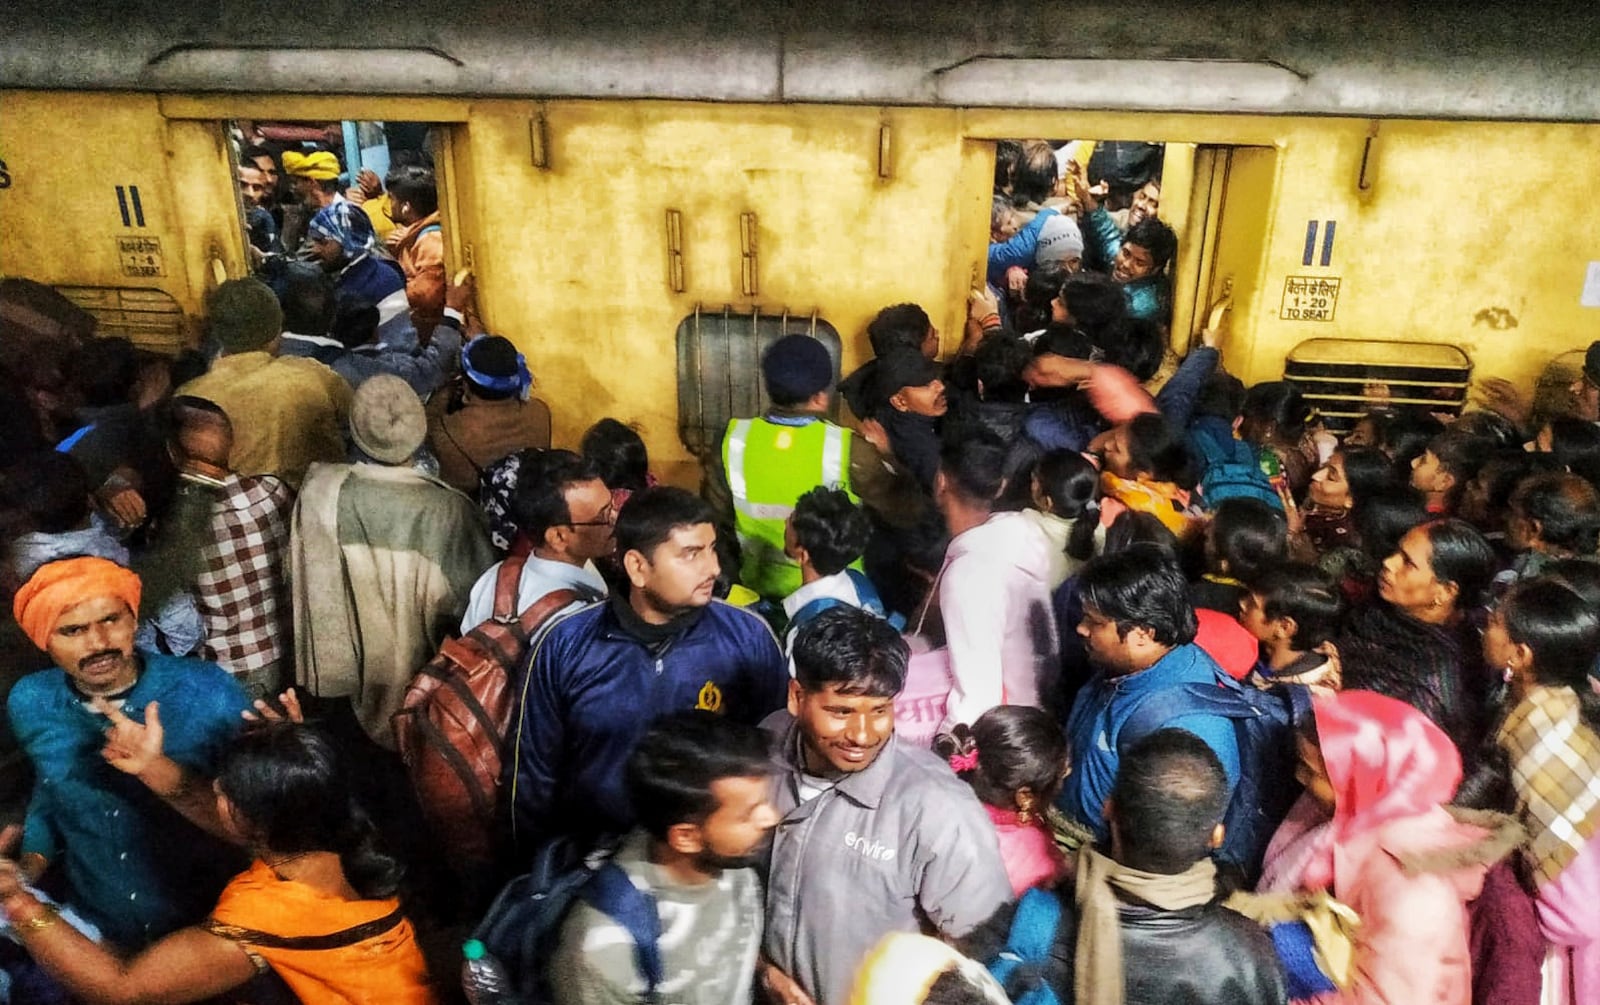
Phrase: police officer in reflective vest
[768,463]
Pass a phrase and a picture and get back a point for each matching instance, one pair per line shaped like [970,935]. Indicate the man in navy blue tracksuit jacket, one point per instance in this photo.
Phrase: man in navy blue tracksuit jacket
[597,677]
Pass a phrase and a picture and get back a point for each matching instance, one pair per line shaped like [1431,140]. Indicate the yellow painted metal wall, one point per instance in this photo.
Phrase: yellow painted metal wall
[1468,236]
[62,222]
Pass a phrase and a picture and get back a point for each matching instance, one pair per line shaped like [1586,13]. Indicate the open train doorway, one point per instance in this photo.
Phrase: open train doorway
[1082,214]
[358,203]
[1151,241]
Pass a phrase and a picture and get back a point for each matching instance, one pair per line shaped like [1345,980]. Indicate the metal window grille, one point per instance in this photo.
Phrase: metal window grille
[719,368]
[1346,378]
[150,319]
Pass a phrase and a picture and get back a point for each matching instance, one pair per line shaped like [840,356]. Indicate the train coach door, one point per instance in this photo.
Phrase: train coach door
[1216,200]
[1218,271]
[242,214]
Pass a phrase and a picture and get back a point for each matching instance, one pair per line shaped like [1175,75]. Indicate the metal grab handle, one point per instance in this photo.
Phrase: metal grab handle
[1218,311]
[749,270]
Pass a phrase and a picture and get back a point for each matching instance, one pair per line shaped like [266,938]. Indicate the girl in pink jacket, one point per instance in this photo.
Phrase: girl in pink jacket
[1014,757]
[1545,639]
[1373,830]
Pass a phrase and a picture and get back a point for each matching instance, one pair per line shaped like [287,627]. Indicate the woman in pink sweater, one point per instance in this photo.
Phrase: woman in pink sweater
[1373,830]
[1014,757]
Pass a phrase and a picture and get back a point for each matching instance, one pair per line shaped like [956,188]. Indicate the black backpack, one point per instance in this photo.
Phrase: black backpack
[523,927]
[1264,724]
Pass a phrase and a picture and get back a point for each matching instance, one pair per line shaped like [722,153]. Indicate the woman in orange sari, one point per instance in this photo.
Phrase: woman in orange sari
[317,907]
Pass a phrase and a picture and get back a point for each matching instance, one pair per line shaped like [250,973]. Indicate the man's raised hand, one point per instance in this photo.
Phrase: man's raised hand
[287,710]
[131,746]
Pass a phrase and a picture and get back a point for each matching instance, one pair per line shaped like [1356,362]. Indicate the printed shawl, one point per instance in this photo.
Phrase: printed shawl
[382,560]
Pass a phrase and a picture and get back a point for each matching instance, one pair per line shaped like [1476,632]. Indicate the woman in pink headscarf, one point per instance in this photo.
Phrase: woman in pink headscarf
[1373,830]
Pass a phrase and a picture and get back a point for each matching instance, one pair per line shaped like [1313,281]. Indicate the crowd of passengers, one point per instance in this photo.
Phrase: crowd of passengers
[1063,673]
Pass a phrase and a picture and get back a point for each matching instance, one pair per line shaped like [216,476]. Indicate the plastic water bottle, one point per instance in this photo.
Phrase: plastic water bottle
[483,978]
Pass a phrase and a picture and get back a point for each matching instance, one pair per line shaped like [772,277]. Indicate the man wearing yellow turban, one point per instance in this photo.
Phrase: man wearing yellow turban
[319,165]
[133,865]
[314,180]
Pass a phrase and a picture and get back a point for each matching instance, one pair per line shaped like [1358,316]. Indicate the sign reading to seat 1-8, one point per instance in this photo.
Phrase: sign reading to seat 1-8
[141,257]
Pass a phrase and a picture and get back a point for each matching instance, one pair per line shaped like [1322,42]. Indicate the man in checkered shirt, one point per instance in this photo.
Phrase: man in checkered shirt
[238,527]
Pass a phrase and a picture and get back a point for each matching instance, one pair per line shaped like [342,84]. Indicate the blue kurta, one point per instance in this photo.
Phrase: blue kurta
[134,866]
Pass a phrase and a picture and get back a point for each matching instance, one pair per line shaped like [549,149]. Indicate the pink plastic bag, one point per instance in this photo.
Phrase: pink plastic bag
[921,706]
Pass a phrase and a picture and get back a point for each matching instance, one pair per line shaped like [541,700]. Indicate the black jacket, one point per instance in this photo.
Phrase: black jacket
[1205,955]
[1005,420]
[914,441]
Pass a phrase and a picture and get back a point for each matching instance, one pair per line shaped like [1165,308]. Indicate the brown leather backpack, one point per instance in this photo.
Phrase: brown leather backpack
[451,727]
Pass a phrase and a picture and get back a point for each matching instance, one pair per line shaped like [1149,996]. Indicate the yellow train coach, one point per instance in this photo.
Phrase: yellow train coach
[645,194]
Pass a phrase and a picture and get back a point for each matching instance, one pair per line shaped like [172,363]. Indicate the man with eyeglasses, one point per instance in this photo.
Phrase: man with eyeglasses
[563,508]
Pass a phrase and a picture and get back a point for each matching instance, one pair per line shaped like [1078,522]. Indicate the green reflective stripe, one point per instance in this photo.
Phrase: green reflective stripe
[833,456]
[738,438]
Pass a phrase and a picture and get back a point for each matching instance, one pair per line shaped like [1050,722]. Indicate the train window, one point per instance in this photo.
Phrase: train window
[1347,378]
[387,173]
[150,319]
[1106,198]
[719,368]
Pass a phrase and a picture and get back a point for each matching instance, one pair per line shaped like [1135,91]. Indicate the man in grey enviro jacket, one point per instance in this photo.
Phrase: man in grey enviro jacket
[876,837]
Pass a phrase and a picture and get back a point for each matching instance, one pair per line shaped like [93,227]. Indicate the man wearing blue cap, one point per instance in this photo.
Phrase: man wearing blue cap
[768,463]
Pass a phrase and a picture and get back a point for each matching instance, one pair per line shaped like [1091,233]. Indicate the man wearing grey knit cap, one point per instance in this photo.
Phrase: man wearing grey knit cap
[1060,244]
[382,559]
[287,413]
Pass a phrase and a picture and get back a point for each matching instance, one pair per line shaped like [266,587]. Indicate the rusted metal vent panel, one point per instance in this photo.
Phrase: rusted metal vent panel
[150,319]
[1346,378]
[719,368]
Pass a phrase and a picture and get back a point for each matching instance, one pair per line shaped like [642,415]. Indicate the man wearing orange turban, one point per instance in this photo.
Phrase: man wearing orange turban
[135,867]
[94,603]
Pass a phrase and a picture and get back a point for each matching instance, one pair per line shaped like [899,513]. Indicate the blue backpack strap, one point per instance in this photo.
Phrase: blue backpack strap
[613,894]
[66,445]
[813,609]
[1033,932]
[432,228]
[866,592]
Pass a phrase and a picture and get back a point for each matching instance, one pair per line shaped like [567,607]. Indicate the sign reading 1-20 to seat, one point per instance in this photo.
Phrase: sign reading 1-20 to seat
[1309,298]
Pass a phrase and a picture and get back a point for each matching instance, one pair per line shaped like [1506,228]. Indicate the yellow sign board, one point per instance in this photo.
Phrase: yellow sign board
[1309,298]
[141,257]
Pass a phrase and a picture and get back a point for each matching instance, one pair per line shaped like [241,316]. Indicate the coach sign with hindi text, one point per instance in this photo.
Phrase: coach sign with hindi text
[1309,298]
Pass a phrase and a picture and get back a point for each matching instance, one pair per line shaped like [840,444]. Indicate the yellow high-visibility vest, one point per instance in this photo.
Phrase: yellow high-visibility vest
[770,465]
